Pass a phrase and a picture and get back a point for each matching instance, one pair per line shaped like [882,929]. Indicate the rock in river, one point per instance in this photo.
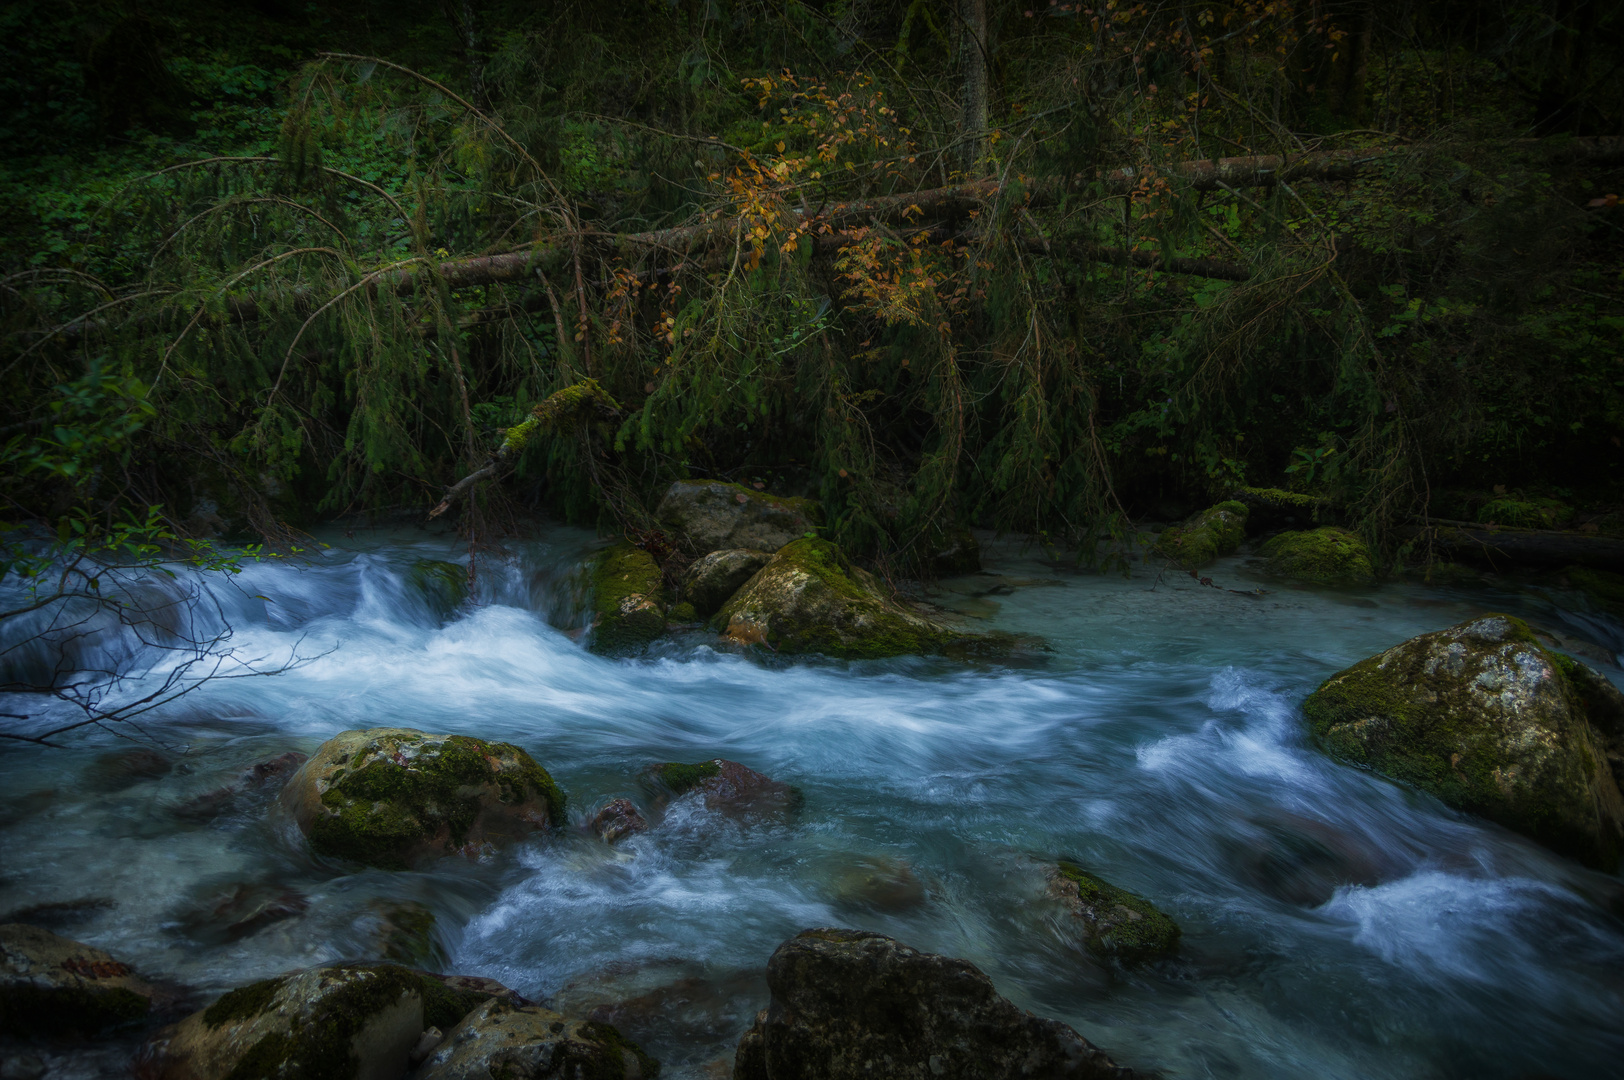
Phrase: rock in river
[628,599]
[342,1021]
[812,599]
[849,1004]
[726,786]
[712,579]
[50,985]
[501,1040]
[1483,717]
[1325,556]
[1211,534]
[396,798]
[712,515]
[1115,922]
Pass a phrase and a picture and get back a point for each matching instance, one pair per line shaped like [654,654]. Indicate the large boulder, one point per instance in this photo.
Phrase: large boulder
[712,515]
[812,599]
[1483,717]
[398,798]
[628,599]
[1324,556]
[713,578]
[513,1042]
[343,1021]
[849,1004]
[1211,534]
[50,985]
[1114,921]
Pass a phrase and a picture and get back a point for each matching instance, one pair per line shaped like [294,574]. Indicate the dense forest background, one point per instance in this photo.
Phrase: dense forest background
[264,264]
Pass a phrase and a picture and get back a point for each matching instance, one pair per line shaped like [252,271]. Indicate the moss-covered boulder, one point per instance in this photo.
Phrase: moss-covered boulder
[1276,508]
[713,578]
[397,798]
[855,1005]
[710,515]
[340,1022]
[1483,717]
[1215,532]
[1325,556]
[51,986]
[442,585]
[1115,922]
[628,600]
[812,599]
[527,1042]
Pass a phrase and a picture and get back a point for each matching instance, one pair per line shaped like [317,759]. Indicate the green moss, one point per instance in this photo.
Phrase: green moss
[628,598]
[1603,585]
[443,584]
[1324,556]
[571,405]
[383,809]
[242,1003]
[1113,932]
[1280,499]
[683,613]
[319,1046]
[616,1046]
[680,778]
[1525,513]
[1211,534]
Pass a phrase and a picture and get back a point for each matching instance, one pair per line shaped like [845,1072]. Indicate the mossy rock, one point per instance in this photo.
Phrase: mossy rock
[628,600]
[1116,923]
[1324,556]
[1603,586]
[53,986]
[1276,508]
[442,585]
[527,1042]
[339,1022]
[711,515]
[727,786]
[397,798]
[1525,513]
[1215,532]
[812,599]
[1486,719]
[713,578]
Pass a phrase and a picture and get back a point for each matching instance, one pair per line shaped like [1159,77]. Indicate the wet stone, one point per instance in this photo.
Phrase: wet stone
[51,985]
[619,819]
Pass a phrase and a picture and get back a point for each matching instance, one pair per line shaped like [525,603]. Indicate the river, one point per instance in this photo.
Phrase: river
[1334,924]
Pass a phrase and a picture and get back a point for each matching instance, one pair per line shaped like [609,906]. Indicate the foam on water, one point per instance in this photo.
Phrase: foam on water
[1335,924]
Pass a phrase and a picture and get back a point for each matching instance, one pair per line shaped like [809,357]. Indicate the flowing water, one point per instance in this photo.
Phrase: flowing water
[1335,925]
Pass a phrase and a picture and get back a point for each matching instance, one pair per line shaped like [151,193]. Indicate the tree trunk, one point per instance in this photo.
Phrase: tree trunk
[973,92]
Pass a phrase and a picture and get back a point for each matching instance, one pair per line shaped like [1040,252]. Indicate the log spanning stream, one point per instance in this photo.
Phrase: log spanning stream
[1334,924]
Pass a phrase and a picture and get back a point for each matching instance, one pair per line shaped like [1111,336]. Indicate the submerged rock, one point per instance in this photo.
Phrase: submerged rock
[121,769]
[260,780]
[1484,718]
[619,819]
[442,585]
[715,577]
[1115,922]
[628,600]
[811,599]
[396,798]
[849,1004]
[342,1021]
[51,985]
[1302,861]
[726,786]
[1211,534]
[502,1040]
[712,515]
[1325,556]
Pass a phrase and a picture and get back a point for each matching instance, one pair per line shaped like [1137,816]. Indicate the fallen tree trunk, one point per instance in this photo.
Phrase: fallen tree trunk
[1528,547]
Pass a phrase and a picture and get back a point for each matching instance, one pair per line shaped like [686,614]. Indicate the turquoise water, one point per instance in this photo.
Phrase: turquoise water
[1335,925]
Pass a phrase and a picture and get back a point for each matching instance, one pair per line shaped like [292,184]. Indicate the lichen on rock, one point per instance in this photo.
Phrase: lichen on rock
[338,1022]
[1211,534]
[1116,922]
[849,1004]
[396,797]
[713,578]
[628,599]
[51,985]
[1323,556]
[812,599]
[712,515]
[1483,717]
[512,1042]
